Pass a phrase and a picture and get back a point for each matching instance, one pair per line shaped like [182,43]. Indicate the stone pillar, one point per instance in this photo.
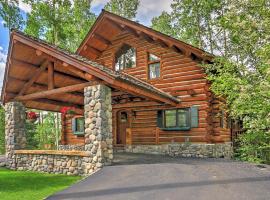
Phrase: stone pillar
[14,130]
[98,127]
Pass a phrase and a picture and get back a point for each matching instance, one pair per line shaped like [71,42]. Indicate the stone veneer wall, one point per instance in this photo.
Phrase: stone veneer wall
[98,126]
[222,150]
[57,164]
[14,131]
[70,147]
[97,151]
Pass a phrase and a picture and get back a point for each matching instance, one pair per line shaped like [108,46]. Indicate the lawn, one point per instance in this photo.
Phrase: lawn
[31,185]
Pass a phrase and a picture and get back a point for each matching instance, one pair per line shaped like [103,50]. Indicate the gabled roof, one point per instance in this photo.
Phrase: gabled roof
[22,47]
[109,25]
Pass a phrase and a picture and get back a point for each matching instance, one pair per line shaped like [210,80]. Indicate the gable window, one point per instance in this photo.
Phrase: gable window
[153,66]
[78,125]
[125,58]
[178,119]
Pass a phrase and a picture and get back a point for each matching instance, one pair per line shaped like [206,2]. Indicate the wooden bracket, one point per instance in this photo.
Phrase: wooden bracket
[34,78]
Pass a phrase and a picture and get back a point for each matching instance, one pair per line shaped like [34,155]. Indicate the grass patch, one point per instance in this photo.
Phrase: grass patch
[31,185]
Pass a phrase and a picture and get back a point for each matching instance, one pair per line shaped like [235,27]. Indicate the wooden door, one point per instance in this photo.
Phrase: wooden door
[122,125]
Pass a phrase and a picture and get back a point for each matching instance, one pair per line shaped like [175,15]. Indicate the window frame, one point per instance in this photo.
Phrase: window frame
[115,59]
[76,132]
[149,62]
[177,127]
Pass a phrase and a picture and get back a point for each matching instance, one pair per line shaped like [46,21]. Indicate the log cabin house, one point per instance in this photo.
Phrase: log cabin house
[133,89]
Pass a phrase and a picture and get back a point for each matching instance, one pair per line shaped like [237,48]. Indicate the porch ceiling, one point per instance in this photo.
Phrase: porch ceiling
[46,77]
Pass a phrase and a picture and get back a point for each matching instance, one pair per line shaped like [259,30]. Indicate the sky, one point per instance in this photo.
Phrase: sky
[146,11]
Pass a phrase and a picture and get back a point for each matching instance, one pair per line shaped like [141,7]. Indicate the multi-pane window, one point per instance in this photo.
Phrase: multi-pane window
[178,118]
[153,66]
[78,125]
[125,58]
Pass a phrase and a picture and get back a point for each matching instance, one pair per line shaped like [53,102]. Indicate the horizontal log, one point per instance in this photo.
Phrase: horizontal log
[52,152]
[62,90]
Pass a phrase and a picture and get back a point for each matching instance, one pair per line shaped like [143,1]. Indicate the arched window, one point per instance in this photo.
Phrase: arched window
[125,58]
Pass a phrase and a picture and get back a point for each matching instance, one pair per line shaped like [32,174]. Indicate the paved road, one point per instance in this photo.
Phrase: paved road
[148,177]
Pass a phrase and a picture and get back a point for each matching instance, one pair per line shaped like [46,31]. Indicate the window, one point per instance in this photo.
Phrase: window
[78,125]
[125,58]
[170,118]
[124,117]
[178,119]
[153,66]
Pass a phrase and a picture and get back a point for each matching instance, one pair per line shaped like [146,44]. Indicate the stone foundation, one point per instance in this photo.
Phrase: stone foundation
[57,164]
[223,150]
[70,147]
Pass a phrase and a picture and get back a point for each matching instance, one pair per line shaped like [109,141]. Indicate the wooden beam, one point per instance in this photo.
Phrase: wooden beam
[93,50]
[59,103]
[102,39]
[35,76]
[118,20]
[161,42]
[79,73]
[38,52]
[175,48]
[132,31]
[62,90]
[132,89]
[23,64]
[49,105]
[115,25]
[146,37]
[51,76]
[64,57]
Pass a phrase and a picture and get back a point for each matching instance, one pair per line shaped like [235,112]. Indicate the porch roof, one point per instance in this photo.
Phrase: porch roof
[47,77]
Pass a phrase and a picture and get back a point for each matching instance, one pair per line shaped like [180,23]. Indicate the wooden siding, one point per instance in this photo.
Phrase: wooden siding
[67,136]
[180,76]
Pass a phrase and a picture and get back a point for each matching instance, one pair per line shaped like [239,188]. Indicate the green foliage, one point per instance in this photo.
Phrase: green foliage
[47,131]
[61,22]
[124,8]
[10,13]
[245,79]
[32,185]
[31,130]
[2,130]
[163,24]
[238,31]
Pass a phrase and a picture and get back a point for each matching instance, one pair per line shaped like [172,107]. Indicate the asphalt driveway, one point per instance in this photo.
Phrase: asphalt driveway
[137,176]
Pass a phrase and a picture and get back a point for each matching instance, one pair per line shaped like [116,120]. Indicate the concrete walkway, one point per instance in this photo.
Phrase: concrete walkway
[137,176]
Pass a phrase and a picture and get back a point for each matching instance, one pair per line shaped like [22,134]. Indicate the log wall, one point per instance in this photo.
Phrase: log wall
[181,76]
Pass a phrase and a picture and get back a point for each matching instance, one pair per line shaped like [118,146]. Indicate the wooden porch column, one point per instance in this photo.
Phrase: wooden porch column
[14,130]
[98,126]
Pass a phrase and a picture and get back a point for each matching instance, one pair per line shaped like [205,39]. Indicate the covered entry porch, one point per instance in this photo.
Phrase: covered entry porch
[41,76]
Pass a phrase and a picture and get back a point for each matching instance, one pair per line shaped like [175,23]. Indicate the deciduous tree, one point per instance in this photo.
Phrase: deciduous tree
[124,8]
[10,13]
[60,22]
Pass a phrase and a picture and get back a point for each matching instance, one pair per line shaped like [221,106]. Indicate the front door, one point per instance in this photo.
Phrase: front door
[122,125]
